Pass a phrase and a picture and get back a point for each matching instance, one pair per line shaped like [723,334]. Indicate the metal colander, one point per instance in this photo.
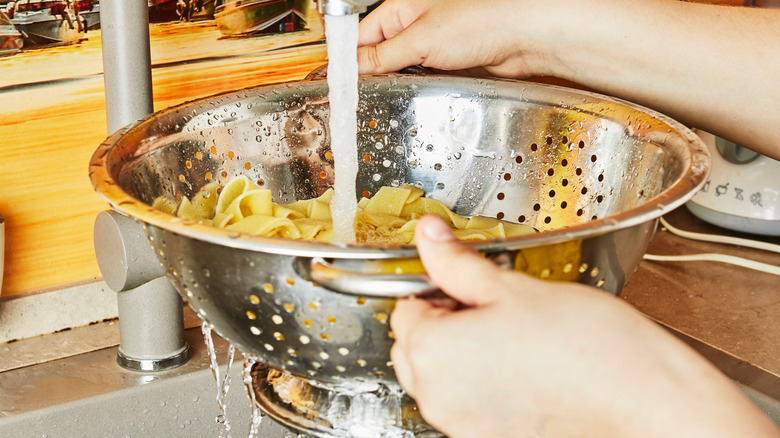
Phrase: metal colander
[592,173]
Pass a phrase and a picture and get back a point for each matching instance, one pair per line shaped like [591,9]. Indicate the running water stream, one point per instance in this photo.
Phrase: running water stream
[341,34]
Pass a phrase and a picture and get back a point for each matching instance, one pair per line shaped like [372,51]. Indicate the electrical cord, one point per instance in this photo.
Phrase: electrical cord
[722,258]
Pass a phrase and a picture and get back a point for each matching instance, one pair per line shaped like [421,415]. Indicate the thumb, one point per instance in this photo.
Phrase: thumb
[454,267]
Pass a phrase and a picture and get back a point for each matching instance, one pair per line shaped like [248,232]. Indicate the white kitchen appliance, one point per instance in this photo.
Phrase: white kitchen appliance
[743,189]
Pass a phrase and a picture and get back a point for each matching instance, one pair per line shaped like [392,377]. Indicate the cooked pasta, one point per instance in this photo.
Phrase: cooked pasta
[389,216]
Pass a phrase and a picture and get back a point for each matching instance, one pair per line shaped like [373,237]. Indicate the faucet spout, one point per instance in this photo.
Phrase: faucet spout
[343,7]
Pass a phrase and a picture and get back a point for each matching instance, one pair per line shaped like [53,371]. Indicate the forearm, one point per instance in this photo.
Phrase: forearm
[713,67]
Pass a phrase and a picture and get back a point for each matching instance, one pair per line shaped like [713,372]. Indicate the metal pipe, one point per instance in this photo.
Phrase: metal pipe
[151,324]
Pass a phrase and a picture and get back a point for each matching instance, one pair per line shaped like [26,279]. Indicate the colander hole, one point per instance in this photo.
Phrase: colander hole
[382,316]
[500,196]
[549,140]
[518,159]
[292,352]
[581,144]
[601,177]
[188,164]
[537,207]
[565,139]
[182,178]
[308,322]
[213,150]
[390,334]
[328,155]
[567,268]
[366,194]
[366,158]
[376,177]
[547,219]
[290,281]
[544,274]
[324,336]
[231,154]
[277,319]
[386,163]
[324,355]
[564,204]
[304,339]
[507,176]
[269,347]
[579,212]
[360,301]
[379,373]
[254,299]
[599,198]
[521,219]
[343,351]
[594,272]
[372,124]
[247,165]
[313,306]
[224,174]
[551,171]
[289,307]
[564,182]
[437,166]
[208,176]
[600,282]
[174,272]
[278,336]
[583,268]
[552,193]
[500,215]
[534,147]
[584,190]
[316,364]
[323,175]
[564,162]
[578,171]
[255,331]
[440,186]
[331,319]
[594,217]
[361,362]
[340,368]
[379,145]
[593,158]
[251,315]
[268,288]
[198,155]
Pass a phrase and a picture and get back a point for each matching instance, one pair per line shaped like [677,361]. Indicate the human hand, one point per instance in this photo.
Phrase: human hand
[449,35]
[525,357]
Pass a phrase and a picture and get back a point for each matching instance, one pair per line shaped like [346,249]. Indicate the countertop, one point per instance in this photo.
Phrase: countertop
[728,313]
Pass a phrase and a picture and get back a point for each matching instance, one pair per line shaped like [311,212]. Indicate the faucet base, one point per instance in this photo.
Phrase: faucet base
[152,365]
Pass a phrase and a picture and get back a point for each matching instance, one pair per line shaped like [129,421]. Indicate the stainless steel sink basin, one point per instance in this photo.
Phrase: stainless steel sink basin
[89,395]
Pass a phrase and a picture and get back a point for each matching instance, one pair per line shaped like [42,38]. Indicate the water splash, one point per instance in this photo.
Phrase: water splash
[257,414]
[223,383]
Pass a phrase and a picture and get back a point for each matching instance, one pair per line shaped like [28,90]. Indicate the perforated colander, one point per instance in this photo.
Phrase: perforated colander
[592,173]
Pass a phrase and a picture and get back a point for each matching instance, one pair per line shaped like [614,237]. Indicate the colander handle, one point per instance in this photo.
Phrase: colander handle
[362,284]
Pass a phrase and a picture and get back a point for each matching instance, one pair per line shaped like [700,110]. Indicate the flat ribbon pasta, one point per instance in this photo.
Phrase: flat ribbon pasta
[389,216]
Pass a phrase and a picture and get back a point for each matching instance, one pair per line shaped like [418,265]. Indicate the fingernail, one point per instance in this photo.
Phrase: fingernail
[438,231]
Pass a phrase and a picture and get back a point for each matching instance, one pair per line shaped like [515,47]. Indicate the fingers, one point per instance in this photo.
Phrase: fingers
[390,55]
[456,268]
[404,321]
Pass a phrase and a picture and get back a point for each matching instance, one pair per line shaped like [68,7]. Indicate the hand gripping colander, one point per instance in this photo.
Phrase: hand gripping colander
[592,173]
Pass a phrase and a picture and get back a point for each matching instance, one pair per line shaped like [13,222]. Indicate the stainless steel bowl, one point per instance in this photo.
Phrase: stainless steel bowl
[591,172]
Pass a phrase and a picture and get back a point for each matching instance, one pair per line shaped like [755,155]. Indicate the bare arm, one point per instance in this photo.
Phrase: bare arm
[713,67]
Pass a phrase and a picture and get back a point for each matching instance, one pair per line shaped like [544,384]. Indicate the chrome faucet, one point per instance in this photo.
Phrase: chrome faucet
[343,7]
